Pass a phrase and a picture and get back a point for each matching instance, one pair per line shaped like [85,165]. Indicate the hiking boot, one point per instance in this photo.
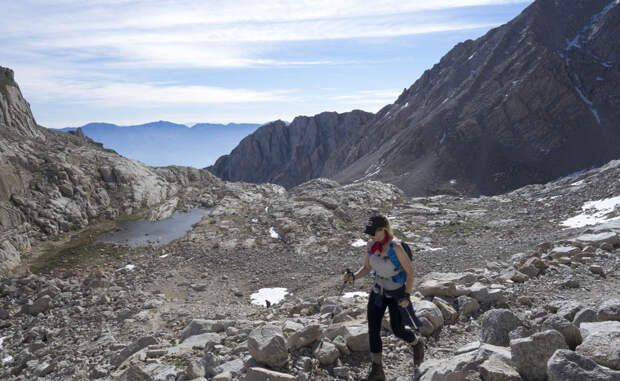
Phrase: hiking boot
[418,352]
[376,373]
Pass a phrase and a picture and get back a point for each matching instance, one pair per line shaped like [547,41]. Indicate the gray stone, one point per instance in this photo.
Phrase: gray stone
[467,305]
[132,348]
[605,326]
[42,304]
[495,369]
[225,376]
[199,326]
[233,367]
[487,295]
[566,328]
[566,309]
[597,239]
[135,373]
[566,365]
[609,310]
[454,368]
[326,353]
[449,313]
[428,310]
[496,325]
[444,284]
[357,338]
[305,337]
[602,347]
[262,374]
[586,315]
[268,346]
[530,354]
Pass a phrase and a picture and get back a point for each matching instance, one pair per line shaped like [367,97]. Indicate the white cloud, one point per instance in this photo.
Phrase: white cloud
[211,33]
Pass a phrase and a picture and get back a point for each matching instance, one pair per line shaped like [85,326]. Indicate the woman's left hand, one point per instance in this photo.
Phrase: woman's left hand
[404,302]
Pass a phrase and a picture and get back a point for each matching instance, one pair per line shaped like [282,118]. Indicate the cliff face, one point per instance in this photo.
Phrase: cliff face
[290,155]
[530,101]
[52,182]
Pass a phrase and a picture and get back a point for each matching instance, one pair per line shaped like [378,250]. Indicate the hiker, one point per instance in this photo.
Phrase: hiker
[391,290]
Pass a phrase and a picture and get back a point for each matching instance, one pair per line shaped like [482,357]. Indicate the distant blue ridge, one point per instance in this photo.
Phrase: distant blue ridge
[165,143]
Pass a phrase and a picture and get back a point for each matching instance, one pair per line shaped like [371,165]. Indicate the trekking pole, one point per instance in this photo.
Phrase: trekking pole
[344,284]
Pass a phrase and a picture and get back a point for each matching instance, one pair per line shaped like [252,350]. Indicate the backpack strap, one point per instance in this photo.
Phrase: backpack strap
[401,277]
[392,255]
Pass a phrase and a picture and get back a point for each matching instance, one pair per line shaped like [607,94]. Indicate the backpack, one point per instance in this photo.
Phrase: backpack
[401,277]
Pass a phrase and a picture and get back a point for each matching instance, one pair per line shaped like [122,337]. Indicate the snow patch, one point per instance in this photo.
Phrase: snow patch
[594,212]
[358,243]
[129,267]
[452,181]
[273,233]
[599,78]
[589,103]
[404,106]
[443,138]
[354,294]
[2,340]
[273,295]
[163,256]
[7,360]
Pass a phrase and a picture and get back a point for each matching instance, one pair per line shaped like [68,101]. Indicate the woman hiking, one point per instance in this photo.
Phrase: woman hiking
[391,289]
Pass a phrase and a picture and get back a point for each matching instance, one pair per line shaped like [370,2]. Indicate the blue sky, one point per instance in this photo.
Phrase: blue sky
[131,62]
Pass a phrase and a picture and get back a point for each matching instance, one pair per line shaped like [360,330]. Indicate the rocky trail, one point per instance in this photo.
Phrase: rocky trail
[502,271]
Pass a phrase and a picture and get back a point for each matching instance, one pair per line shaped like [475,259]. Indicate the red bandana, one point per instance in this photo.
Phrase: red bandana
[378,246]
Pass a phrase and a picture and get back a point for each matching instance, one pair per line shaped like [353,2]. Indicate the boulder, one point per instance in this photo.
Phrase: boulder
[428,310]
[305,337]
[326,353]
[566,328]
[487,295]
[598,239]
[566,365]
[605,326]
[453,368]
[445,284]
[496,325]
[609,310]
[467,305]
[495,369]
[268,346]
[602,347]
[42,304]
[357,338]
[132,348]
[586,315]
[200,326]
[449,313]
[530,354]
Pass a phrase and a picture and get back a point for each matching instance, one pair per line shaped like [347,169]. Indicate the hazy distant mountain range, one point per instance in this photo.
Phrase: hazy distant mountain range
[165,143]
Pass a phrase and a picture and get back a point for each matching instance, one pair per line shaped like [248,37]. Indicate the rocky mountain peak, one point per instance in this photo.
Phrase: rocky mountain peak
[530,101]
[15,114]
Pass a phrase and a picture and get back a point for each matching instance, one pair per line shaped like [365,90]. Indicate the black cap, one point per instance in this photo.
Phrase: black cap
[374,223]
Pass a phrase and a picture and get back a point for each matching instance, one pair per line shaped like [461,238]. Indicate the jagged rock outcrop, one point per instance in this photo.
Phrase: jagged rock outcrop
[530,101]
[52,182]
[290,155]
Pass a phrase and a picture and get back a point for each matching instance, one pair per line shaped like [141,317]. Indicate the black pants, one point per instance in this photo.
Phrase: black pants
[377,304]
